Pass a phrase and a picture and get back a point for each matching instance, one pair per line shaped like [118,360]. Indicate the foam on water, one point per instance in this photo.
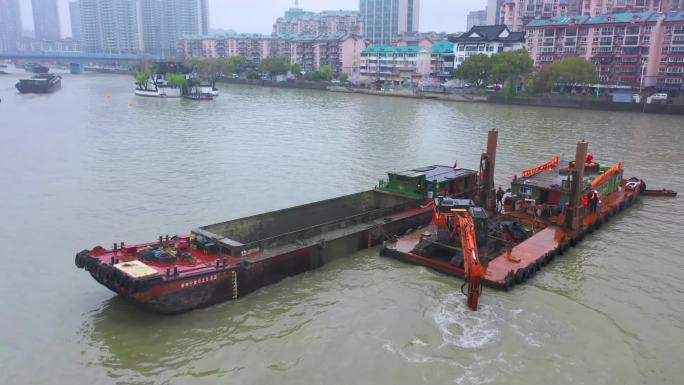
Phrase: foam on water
[463,327]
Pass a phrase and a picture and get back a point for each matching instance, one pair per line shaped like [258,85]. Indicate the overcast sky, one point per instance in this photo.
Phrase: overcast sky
[258,15]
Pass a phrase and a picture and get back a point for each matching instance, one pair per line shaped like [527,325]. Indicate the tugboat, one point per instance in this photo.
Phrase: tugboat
[39,84]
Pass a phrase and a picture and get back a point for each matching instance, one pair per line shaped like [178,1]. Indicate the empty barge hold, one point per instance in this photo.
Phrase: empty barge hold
[231,259]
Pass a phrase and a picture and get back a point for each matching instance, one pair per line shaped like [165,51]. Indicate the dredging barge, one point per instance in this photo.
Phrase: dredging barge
[547,210]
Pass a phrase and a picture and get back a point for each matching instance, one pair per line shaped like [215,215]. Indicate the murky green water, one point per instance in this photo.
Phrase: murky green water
[93,164]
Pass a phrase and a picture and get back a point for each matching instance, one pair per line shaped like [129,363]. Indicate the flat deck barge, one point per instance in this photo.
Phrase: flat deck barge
[522,261]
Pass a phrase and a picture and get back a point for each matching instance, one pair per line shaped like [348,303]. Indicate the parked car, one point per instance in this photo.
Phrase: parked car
[657,98]
[494,87]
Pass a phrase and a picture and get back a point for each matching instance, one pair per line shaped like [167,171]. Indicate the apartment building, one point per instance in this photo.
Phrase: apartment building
[109,26]
[475,18]
[629,48]
[516,14]
[399,64]
[46,19]
[10,24]
[298,21]
[341,51]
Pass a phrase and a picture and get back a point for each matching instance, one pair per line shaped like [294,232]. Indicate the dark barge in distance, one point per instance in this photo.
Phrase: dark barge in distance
[40,84]
[228,260]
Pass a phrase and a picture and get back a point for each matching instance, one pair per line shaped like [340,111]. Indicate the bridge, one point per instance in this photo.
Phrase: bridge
[74,56]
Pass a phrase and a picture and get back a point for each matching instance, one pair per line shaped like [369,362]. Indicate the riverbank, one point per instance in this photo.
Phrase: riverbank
[538,101]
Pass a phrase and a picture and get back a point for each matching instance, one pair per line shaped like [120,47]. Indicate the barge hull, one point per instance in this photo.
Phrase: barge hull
[276,245]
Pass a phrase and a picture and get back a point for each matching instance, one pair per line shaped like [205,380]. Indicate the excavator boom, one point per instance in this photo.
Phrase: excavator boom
[471,258]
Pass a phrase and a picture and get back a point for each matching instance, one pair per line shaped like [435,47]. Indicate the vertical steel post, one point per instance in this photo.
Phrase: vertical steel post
[574,209]
[487,167]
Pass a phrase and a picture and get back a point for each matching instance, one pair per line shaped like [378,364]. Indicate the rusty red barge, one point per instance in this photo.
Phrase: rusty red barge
[228,260]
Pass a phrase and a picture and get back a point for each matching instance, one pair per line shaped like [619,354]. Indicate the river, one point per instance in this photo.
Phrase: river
[92,164]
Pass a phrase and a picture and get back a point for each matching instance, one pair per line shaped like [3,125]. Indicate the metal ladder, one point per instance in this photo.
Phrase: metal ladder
[234,278]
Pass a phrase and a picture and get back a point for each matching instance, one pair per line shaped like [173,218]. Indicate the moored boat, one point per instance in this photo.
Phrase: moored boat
[39,84]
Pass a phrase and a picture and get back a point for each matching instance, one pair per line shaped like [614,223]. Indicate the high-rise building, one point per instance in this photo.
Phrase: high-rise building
[109,26]
[384,19]
[10,24]
[299,21]
[163,22]
[46,19]
[476,18]
[493,12]
[75,16]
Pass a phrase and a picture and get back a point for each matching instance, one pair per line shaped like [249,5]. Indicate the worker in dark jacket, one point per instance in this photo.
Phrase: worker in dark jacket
[499,199]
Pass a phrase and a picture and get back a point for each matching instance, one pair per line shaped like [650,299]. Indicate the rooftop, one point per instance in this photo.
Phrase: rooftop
[439,47]
[436,172]
[486,33]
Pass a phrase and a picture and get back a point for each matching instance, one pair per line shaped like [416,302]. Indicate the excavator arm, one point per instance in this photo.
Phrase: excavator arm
[471,257]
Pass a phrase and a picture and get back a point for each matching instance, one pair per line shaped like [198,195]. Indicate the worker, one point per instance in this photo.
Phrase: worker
[585,203]
[594,201]
[499,199]
[642,186]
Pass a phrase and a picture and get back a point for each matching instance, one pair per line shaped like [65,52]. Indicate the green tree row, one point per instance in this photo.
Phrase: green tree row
[516,67]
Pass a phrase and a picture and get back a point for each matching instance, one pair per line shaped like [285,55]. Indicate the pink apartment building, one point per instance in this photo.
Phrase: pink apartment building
[516,14]
[630,48]
[341,51]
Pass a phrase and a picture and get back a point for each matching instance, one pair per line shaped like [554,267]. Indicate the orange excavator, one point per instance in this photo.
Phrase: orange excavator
[461,225]
[471,257]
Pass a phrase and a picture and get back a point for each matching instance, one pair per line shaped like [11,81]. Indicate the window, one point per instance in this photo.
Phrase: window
[607,31]
[633,30]
[525,190]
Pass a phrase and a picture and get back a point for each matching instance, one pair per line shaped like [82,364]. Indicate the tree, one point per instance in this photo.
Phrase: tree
[344,78]
[570,70]
[296,70]
[208,69]
[314,76]
[232,64]
[142,72]
[275,65]
[476,69]
[511,66]
[177,81]
[326,72]
[252,74]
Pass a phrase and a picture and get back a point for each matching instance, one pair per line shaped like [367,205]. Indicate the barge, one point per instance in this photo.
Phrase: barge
[547,211]
[228,260]
[39,84]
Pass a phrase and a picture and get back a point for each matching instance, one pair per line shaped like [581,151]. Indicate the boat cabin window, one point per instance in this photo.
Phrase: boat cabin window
[525,190]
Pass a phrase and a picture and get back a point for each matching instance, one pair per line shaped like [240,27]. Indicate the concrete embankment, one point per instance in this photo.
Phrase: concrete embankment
[588,104]
[558,102]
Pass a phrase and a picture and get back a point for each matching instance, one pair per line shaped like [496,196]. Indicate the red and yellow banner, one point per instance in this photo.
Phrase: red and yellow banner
[602,178]
[550,164]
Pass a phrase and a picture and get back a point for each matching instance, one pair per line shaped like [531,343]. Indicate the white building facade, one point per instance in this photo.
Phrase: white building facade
[487,40]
